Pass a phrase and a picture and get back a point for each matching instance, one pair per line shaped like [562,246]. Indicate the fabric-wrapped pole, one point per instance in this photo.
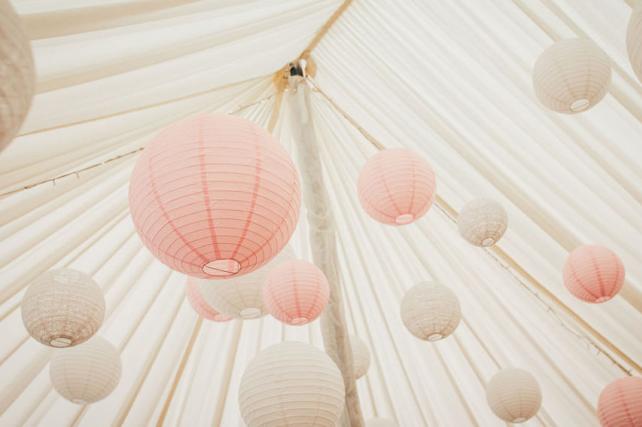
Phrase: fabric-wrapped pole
[323,242]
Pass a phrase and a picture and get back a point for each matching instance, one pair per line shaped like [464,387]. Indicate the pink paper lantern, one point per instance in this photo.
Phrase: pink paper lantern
[296,292]
[396,186]
[200,306]
[593,273]
[620,403]
[214,196]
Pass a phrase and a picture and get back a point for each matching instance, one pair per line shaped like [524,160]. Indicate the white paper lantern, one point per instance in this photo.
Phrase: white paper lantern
[86,373]
[514,395]
[63,308]
[482,222]
[381,422]
[430,311]
[571,76]
[292,384]
[17,76]
[241,297]
[634,40]
[360,356]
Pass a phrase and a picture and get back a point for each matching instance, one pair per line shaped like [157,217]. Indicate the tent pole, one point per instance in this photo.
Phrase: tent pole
[323,243]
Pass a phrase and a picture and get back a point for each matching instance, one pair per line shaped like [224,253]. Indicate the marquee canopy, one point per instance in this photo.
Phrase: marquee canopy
[451,80]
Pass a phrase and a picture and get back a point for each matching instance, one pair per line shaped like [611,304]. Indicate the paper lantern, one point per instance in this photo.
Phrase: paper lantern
[482,222]
[514,395]
[214,196]
[620,403]
[292,384]
[17,75]
[201,306]
[242,297]
[86,373]
[634,40]
[381,422]
[396,186]
[63,308]
[571,76]
[430,311]
[593,273]
[360,356]
[296,292]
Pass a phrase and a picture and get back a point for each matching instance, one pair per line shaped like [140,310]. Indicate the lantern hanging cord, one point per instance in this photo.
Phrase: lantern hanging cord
[122,156]
[451,215]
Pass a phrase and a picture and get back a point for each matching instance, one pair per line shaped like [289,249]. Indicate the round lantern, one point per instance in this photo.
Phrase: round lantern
[381,422]
[86,373]
[620,403]
[201,306]
[291,383]
[241,297]
[430,311]
[396,186]
[514,395]
[360,356]
[634,40]
[571,76]
[214,196]
[17,75]
[482,222]
[296,292]
[63,308]
[593,273]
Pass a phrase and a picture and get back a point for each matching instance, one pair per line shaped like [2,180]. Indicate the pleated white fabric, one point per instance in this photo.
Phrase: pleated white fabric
[291,384]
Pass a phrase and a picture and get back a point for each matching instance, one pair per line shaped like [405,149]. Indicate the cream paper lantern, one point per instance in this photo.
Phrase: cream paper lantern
[381,422]
[571,76]
[63,308]
[360,356]
[634,40]
[241,297]
[514,395]
[294,384]
[17,75]
[86,373]
[482,222]
[430,311]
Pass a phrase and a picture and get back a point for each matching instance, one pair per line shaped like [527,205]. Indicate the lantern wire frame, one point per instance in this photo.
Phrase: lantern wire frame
[153,326]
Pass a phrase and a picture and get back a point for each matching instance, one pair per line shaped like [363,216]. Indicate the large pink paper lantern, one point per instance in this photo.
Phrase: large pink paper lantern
[201,306]
[396,186]
[593,273]
[214,196]
[296,292]
[620,403]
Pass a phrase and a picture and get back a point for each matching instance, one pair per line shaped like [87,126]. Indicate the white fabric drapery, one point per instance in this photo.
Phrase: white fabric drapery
[449,79]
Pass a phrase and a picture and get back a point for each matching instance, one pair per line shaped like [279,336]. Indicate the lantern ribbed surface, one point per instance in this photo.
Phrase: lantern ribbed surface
[199,304]
[242,297]
[396,186]
[291,384]
[381,422]
[634,40]
[63,308]
[593,273]
[482,222]
[214,196]
[17,75]
[620,403]
[514,395]
[571,76]
[360,356]
[296,292]
[86,373]
[430,311]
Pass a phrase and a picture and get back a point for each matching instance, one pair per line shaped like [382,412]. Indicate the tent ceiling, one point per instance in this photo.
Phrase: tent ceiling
[448,79]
